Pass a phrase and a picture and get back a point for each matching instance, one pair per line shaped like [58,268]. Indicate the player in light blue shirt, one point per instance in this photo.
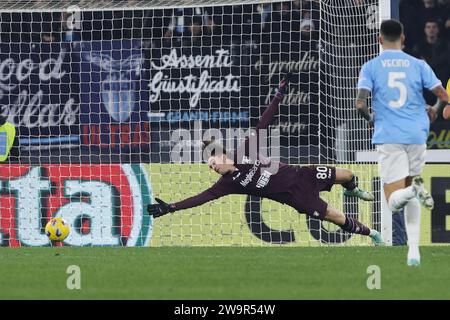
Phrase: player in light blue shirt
[401,121]
[396,81]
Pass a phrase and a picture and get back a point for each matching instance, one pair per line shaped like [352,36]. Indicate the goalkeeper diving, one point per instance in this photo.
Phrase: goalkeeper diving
[247,171]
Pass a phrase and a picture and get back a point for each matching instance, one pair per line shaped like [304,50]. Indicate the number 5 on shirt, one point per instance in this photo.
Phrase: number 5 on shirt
[394,81]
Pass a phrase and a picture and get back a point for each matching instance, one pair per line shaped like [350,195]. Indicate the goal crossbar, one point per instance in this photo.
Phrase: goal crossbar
[115,5]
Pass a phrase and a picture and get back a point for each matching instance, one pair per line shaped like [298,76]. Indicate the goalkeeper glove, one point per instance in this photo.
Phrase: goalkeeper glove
[160,209]
[284,83]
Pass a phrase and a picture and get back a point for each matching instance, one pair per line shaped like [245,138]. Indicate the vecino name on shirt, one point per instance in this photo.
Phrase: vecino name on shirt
[395,63]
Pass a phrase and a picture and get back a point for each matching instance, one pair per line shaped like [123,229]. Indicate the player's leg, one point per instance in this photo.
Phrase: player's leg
[393,165]
[317,208]
[398,193]
[347,179]
[416,155]
[422,193]
[351,225]
[324,177]
[401,194]
[412,224]
[400,167]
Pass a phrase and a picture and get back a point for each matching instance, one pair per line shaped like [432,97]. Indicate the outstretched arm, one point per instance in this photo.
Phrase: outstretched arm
[195,201]
[250,147]
[162,208]
[272,109]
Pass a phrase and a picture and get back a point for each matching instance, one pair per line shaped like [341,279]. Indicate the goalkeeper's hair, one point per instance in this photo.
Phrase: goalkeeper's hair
[391,30]
[216,148]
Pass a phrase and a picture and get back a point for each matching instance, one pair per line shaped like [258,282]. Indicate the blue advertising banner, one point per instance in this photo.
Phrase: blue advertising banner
[114,104]
[109,99]
[226,86]
[39,95]
[193,83]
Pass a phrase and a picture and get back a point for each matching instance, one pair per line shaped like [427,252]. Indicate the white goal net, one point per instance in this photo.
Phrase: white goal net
[109,99]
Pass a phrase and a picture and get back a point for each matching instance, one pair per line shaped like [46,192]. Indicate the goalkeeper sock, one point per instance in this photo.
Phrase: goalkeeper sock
[350,185]
[400,198]
[412,224]
[354,226]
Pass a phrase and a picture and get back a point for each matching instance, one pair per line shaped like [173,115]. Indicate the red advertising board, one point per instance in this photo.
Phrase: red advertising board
[104,204]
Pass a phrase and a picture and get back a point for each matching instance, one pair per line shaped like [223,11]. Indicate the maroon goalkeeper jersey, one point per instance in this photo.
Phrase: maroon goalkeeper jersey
[257,175]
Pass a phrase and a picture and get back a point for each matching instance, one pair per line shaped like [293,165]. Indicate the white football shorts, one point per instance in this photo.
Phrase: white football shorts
[397,161]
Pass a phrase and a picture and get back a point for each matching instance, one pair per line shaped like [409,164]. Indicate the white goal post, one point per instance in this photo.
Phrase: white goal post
[110,97]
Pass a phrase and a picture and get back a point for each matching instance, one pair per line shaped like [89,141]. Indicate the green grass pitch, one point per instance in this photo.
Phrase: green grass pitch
[223,273]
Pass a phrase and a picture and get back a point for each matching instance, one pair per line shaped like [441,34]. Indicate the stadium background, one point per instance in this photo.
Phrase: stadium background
[81,131]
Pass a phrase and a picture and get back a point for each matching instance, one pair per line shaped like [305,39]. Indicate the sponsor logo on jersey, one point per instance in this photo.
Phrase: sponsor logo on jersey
[263,179]
[250,174]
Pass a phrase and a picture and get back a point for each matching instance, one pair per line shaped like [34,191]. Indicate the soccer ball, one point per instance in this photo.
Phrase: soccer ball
[57,229]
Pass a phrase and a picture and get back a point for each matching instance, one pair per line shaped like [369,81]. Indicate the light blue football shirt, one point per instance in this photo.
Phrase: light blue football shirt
[396,81]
